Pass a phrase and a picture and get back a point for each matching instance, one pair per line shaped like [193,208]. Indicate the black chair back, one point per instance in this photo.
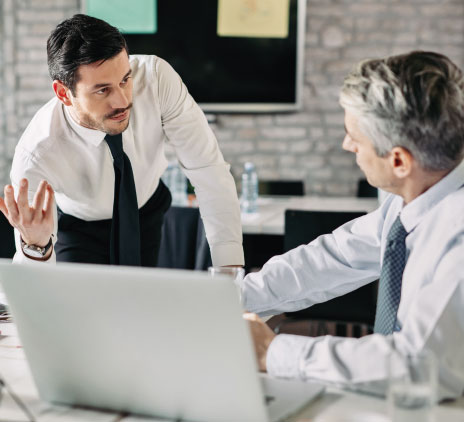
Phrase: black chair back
[281,187]
[366,190]
[7,243]
[302,227]
[183,240]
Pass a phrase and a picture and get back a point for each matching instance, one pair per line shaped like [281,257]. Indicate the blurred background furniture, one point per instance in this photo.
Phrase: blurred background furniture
[366,190]
[350,315]
[281,187]
[7,243]
[183,240]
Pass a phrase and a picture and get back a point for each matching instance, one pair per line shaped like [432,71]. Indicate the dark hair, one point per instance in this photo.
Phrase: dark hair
[78,41]
[413,100]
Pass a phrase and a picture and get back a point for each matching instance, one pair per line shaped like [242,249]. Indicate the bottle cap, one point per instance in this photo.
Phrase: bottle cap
[249,166]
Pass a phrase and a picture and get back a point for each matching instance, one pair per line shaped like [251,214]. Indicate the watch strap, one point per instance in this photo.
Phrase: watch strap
[38,249]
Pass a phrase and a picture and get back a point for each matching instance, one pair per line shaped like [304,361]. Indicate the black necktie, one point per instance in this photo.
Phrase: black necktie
[125,228]
[391,278]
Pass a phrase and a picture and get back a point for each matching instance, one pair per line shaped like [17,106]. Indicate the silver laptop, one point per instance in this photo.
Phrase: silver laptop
[164,343]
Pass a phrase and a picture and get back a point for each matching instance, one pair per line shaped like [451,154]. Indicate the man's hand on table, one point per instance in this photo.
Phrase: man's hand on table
[262,337]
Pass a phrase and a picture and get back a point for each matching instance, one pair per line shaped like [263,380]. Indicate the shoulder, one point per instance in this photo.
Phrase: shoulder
[43,129]
[451,208]
[146,67]
[40,138]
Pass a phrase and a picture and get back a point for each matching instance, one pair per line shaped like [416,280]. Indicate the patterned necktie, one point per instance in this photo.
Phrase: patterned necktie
[125,228]
[391,277]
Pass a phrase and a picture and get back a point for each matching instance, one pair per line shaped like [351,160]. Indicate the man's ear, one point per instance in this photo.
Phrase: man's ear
[401,161]
[62,92]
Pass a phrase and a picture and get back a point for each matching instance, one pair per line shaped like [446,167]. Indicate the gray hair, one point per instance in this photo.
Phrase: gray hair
[413,100]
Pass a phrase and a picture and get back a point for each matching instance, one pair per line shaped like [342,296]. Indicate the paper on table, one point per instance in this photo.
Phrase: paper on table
[253,18]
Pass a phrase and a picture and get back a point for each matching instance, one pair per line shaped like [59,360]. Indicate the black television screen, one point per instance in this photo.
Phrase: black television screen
[227,73]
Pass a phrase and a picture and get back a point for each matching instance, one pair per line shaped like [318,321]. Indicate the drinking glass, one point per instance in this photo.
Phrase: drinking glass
[236,274]
[412,388]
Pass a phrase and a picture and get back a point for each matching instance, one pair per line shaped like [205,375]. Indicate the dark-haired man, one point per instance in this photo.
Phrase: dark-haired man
[100,144]
[404,119]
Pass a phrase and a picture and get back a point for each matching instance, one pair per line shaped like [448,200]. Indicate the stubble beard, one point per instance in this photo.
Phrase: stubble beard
[87,121]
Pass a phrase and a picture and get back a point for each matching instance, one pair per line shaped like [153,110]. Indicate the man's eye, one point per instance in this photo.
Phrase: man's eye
[102,91]
[125,81]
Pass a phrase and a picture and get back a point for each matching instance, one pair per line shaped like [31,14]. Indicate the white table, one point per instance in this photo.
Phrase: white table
[334,406]
[270,218]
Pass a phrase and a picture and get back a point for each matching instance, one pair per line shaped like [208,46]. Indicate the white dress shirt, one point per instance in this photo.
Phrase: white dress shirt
[77,162]
[431,311]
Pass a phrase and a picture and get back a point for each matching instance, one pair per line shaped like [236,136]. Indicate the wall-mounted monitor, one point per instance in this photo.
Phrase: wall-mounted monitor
[233,55]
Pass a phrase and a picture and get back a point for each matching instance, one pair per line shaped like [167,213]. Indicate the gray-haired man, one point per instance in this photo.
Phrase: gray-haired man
[404,119]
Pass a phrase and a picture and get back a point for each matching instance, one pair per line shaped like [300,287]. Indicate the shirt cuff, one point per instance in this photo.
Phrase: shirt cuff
[20,258]
[285,355]
[227,254]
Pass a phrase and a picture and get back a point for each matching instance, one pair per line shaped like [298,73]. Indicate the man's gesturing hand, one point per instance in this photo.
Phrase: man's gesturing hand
[35,221]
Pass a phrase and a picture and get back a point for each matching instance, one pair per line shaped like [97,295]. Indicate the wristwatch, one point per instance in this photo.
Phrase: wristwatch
[34,251]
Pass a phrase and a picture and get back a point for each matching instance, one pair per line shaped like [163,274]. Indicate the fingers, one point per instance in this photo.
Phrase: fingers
[38,201]
[49,202]
[3,208]
[22,200]
[11,205]
[251,317]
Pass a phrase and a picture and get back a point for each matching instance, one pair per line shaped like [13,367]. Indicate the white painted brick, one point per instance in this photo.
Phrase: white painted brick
[283,133]
[438,10]
[297,119]
[316,132]
[312,162]
[375,9]
[247,133]
[287,161]
[261,120]
[235,120]
[237,147]
[323,173]
[34,16]
[292,173]
[338,189]
[335,37]
[223,135]
[273,146]
[346,160]
[300,146]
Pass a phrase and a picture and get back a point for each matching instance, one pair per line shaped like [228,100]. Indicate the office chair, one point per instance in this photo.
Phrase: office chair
[281,187]
[366,190]
[352,314]
[183,240]
[7,243]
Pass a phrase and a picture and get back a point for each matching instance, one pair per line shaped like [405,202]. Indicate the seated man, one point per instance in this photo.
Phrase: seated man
[404,119]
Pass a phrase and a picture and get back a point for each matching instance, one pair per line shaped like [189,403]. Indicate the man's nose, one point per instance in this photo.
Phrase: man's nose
[120,99]
[348,144]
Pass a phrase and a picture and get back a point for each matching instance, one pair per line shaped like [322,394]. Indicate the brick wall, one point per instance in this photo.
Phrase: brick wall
[305,145]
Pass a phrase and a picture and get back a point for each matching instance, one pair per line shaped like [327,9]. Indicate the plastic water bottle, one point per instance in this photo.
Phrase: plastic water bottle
[249,198]
[166,176]
[176,182]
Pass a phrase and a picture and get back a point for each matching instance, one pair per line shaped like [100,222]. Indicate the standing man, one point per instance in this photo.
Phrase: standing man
[97,148]
[404,119]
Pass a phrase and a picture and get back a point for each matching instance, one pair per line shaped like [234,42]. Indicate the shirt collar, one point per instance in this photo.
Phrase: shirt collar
[92,136]
[413,212]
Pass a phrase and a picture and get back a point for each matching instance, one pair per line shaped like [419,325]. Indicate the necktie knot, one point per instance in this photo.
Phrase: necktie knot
[115,144]
[397,232]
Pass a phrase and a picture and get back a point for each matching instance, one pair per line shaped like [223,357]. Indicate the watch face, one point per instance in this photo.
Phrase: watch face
[32,252]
